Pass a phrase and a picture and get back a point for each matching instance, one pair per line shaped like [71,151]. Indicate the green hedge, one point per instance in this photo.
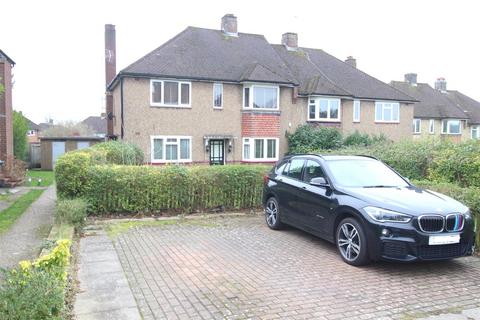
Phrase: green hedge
[126,189]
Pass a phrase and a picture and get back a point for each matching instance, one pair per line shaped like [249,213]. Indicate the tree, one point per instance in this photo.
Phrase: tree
[20,129]
[68,129]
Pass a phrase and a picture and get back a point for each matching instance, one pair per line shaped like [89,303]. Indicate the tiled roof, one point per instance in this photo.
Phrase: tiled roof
[97,124]
[432,103]
[470,107]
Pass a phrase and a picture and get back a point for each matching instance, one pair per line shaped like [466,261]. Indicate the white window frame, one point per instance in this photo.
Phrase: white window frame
[415,127]
[213,93]
[431,126]
[448,127]
[356,104]
[164,149]
[162,104]
[251,143]
[477,129]
[251,96]
[317,108]
[387,105]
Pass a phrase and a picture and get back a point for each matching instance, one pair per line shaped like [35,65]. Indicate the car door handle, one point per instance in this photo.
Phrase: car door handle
[304,188]
[280,179]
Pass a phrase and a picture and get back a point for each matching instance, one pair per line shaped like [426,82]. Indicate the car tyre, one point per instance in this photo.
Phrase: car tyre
[352,242]
[272,214]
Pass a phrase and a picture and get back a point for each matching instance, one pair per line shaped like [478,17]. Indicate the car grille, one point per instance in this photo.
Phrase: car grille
[431,223]
[441,251]
[454,222]
[394,249]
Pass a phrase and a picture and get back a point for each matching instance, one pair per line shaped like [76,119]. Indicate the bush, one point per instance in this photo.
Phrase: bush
[71,211]
[117,152]
[307,138]
[37,295]
[20,142]
[357,139]
[124,189]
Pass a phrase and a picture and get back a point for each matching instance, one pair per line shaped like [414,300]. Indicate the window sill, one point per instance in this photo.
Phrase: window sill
[388,122]
[260,161]
[417,133]
[170,161]
[325,120]
[451,134]
[217,108]
[356,121]
[262,109]
[168,106]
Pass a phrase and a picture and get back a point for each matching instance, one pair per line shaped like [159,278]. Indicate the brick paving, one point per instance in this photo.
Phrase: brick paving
[240,269]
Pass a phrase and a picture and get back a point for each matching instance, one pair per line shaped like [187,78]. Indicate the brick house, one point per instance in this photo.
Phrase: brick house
[6,113]
[220,96]
[441,113]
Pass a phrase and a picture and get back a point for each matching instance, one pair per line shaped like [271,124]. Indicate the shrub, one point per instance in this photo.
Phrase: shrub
[36,295]
[357,139]
[307,138]
[20,129]
[124,189]
[118,152]
[71,211]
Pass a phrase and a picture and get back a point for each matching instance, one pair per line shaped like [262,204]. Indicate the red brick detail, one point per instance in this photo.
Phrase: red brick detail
[260,125]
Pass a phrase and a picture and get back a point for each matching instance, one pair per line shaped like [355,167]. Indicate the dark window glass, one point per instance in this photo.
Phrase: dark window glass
[157,92]
[171,92]
[217,95]
[247,97]
[312,170]
[185,93]
[295,170]
[271,148]
[259,148]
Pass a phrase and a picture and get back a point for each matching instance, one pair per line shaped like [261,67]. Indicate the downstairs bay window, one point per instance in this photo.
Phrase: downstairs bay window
[171,149]
[451,127]
[260,149]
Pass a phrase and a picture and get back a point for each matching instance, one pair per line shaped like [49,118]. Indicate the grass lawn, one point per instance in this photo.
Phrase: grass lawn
[47,178]
[9,215]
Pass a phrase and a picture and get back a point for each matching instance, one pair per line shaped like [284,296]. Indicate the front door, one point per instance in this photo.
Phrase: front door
[217,152]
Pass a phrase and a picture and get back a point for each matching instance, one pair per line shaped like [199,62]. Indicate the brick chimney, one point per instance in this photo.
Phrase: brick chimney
[411,78]
[229,25]
[6,113]
[351,61]
[110,73]
[441,84]
[290,41]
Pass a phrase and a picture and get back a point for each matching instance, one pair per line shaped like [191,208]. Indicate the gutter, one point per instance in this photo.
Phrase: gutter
[121,108]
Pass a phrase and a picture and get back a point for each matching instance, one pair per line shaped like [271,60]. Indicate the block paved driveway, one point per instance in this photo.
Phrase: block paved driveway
[236,268]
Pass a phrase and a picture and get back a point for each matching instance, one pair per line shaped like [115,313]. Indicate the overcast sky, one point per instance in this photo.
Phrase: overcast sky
[59,45]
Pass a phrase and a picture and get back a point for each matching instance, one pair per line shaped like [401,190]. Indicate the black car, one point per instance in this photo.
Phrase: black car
[367,209]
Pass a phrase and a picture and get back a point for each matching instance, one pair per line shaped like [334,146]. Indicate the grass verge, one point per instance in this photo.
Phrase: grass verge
[9,215]
[39,178]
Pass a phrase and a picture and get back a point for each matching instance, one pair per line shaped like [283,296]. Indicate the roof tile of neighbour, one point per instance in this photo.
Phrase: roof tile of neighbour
[205,54]
[321,73]
[432,103]
[97,124]
[468,105]
[32,125]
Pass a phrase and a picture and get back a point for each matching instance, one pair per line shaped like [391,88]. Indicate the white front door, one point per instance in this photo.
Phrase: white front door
[83,145]
[58,148]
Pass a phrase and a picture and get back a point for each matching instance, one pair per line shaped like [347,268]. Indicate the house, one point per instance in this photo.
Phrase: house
[441,113]
[33,132]
[97,124]
[6,112]
[220,96]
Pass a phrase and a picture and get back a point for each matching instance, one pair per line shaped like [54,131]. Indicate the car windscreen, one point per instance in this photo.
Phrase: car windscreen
[365,173]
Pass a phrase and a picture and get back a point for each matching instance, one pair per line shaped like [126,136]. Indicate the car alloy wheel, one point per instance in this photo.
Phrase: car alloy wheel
[272,214]
[349,242]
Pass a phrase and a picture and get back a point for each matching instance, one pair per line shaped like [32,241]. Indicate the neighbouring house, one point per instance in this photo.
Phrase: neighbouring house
[441,113]
[33,132]
[97,124]
[6,115]
[54,147]
[220,96]
[46,125]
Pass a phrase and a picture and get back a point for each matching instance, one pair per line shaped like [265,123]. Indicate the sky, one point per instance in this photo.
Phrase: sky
[58,46]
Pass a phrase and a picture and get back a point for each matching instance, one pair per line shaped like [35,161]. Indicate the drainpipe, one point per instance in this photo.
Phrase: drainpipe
[121,107]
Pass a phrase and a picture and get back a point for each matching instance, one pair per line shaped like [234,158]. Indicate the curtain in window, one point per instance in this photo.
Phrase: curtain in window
[184,149]
[171,92]
[158,149]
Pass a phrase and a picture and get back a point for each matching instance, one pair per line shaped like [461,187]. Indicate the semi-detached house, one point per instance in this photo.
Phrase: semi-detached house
[220,96]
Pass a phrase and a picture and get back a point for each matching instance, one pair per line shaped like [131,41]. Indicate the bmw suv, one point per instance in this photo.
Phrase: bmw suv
[367,209]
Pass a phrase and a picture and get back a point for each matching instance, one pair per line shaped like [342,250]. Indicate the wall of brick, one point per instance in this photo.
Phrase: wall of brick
[256,124]
[6,128]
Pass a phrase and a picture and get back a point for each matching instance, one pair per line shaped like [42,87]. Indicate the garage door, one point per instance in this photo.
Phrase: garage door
[58,148]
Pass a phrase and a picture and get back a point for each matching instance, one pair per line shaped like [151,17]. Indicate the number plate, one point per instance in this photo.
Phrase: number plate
[444,239]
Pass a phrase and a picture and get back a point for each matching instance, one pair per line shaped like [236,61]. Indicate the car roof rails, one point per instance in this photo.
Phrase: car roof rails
[368,156]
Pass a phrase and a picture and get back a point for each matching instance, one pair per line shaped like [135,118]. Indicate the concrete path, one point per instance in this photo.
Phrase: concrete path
[104,292]
[469,314]
[24,239]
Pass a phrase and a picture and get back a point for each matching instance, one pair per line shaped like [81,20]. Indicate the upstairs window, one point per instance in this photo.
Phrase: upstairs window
[217,95]
[417,126]
[475,132]
[166,93]
[324,109]
[451,127]
[356,111]
[431,126]
[387,112]
[261,97]
[167,149]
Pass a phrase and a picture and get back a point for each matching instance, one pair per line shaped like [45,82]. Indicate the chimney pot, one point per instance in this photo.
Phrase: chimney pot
[290,41]
[351,61]
[411,78]
[229,25]
[441,84]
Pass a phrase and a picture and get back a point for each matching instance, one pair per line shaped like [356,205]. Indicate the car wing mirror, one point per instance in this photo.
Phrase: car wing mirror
[319,182]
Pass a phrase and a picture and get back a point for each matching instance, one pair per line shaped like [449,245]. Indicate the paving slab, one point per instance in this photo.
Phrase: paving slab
[104,292]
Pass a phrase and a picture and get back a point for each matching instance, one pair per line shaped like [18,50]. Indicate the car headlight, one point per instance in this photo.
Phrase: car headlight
[384,215]
[467,214]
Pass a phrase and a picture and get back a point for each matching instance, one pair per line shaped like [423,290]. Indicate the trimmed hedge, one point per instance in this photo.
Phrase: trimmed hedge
[126,189]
